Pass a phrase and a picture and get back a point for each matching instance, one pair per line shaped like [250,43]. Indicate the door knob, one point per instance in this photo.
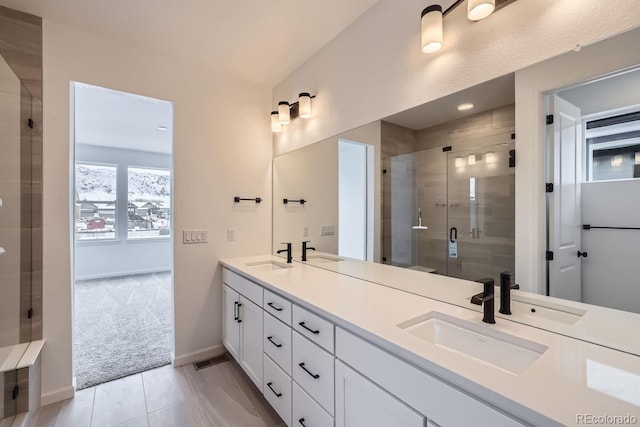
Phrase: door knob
[582,254]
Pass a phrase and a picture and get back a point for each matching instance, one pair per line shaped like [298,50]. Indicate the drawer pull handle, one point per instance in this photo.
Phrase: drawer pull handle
[301,421]
[270,304]
[273,342]
[235,310]
[239,319]
[274,392]
[315,376]
[308,329]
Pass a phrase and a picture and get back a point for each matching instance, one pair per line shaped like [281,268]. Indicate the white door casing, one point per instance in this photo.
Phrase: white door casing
[565,169]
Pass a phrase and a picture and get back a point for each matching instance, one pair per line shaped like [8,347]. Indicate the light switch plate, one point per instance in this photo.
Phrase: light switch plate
[231,234]
[194,236]
[327,230]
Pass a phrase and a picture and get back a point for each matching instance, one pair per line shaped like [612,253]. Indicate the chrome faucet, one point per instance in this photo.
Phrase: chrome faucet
[306,248]
[486,299]
[288,251]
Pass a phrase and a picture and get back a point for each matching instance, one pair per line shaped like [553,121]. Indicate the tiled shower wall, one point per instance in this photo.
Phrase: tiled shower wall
[479,130]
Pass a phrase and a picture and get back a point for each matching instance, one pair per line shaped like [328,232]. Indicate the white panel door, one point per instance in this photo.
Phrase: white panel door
[231,327]
[251,358]
[565,160]
[359,402]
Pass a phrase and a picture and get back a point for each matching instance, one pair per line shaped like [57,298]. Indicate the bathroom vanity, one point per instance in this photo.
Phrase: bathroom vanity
[330,349]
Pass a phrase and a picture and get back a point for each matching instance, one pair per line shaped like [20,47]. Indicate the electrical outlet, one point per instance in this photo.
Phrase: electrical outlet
[305,231]
[328,230]
[231,234]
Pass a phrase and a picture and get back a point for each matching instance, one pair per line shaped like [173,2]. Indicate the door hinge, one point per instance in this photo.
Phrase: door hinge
[549,119]
[30,123]
[14,394]
[513,135]
[447,148]
[30,313]
[549,256]
[548,187]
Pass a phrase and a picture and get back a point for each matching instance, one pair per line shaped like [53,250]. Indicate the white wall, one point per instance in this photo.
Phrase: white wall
[611,273]
[532,82]
[222,148]
[375,68]
[95,258]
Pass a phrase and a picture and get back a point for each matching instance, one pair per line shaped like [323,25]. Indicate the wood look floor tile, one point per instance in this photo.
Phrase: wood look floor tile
[165,386]
[74,412]
[138,422]
[119,401]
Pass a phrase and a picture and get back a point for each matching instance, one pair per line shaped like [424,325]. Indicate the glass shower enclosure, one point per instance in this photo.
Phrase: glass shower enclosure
[465,199]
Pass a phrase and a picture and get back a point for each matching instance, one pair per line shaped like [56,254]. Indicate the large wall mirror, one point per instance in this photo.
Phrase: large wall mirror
[432,191]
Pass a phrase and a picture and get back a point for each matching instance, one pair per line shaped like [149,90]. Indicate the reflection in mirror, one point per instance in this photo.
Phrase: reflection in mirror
[593,154]
[449,214]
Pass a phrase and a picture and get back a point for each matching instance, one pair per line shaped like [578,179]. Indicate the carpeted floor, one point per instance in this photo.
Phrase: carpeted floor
[122,326]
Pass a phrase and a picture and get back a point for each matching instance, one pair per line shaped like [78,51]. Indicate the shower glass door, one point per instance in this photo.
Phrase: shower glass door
[480,212]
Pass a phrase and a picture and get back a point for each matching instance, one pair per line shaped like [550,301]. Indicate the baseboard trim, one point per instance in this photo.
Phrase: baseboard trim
[196,356]
[57,395]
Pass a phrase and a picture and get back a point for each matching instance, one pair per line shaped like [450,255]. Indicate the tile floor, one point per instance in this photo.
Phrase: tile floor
[217,396]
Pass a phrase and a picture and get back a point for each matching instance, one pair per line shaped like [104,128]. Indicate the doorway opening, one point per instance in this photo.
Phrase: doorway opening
[593,164]
[355,200]
[122,234]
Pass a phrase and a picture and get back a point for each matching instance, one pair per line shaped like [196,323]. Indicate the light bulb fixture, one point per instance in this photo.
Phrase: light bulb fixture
[460,162]
[480,9]
[431,24]
[276,126]
[471,159]
[432,19]
[490,158]
[304,105]
[284,114]
[616,161]
[465,107]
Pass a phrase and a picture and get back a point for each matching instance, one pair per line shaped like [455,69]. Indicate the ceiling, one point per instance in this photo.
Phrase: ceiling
[111,118]
[258,40]
[485,96]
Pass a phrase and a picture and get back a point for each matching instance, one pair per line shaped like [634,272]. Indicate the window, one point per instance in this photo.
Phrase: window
[95,207]
[149,204]
[613,147]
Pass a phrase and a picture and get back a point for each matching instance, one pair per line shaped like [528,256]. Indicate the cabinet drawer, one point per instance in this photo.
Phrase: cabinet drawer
[306,412]
[243,286]
[313,370]
[277,342]
[277,389]
[313,327]
[277,306]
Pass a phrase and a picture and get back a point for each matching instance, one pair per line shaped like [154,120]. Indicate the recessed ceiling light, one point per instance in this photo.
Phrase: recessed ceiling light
[466,106]
[163,128]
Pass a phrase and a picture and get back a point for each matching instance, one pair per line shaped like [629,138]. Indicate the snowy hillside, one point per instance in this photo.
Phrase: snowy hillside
[98,183]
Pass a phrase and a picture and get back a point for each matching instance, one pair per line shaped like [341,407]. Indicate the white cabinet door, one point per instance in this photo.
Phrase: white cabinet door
[359,402]
[231,327]
[251,340]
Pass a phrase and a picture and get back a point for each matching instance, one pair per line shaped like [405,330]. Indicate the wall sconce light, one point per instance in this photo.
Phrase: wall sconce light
[471,159]
[287,112]
[276,126]
[432,19]
[480,9]
[284,112]
[491,158]
[460,162]
[431,25]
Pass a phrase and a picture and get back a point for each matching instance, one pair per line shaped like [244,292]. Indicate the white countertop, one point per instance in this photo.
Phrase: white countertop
[599,325]
[570,378]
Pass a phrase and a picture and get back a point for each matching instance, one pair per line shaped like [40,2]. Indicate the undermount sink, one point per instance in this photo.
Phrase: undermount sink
[322,258]
[549,311]
[501,350]
[267,265]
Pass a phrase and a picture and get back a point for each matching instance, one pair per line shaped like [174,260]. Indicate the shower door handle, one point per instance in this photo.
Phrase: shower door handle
[453,234]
